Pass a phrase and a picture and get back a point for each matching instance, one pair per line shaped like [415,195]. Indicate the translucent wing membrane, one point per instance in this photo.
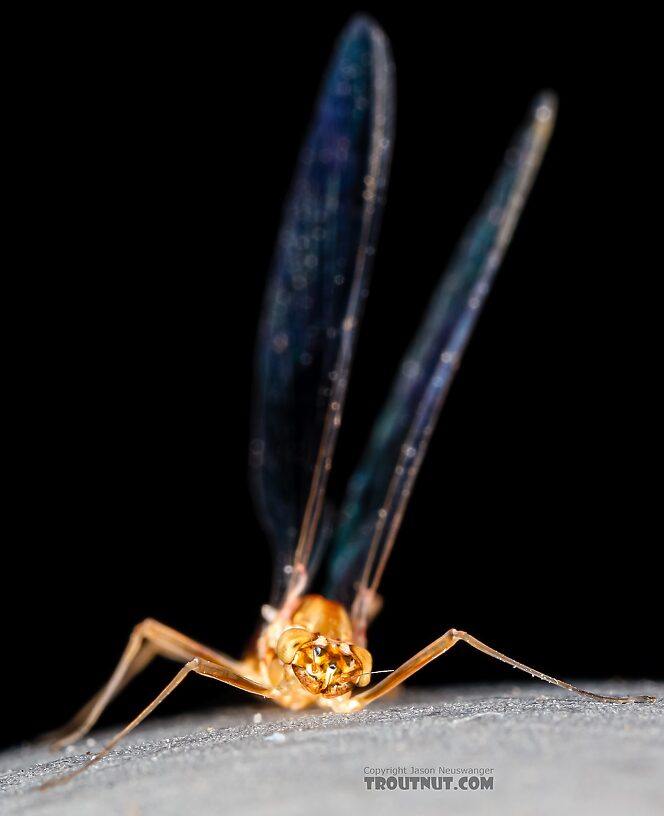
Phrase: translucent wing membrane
[314,299]
[380,488]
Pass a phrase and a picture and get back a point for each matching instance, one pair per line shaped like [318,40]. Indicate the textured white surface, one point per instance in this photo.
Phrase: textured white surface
[551,753]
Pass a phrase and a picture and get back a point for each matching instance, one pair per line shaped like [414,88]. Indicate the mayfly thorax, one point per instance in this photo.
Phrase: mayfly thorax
[312,648]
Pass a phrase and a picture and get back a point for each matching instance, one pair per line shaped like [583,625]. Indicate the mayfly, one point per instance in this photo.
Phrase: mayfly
[312,648]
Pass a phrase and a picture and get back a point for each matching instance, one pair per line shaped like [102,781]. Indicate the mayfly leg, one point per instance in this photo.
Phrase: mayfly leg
[84,719]
[204,667]
[445,642]
[148,639]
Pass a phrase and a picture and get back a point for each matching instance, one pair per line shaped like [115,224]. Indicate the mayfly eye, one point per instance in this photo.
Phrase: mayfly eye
[333,666]
[318,651]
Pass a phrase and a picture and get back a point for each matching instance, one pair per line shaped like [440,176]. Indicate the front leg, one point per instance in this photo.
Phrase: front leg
[440,646]
[206,668]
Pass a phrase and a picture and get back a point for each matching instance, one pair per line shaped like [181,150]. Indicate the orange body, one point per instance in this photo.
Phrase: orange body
[304,654]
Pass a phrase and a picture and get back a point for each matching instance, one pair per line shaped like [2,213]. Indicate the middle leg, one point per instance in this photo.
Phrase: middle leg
[148,639]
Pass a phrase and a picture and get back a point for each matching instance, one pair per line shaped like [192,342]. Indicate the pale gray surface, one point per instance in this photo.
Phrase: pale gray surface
[552,753]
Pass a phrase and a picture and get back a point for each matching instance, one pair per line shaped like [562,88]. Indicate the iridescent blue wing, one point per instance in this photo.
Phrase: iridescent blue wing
[379,490]
[314,298]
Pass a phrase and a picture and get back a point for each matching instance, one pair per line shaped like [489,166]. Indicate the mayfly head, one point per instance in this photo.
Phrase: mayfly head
[323,665]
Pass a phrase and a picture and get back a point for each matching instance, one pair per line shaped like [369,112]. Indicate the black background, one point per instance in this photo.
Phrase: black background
[151,160]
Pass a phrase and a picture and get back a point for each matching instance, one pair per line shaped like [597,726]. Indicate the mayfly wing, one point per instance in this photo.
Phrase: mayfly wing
[378,493]
[314,297]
